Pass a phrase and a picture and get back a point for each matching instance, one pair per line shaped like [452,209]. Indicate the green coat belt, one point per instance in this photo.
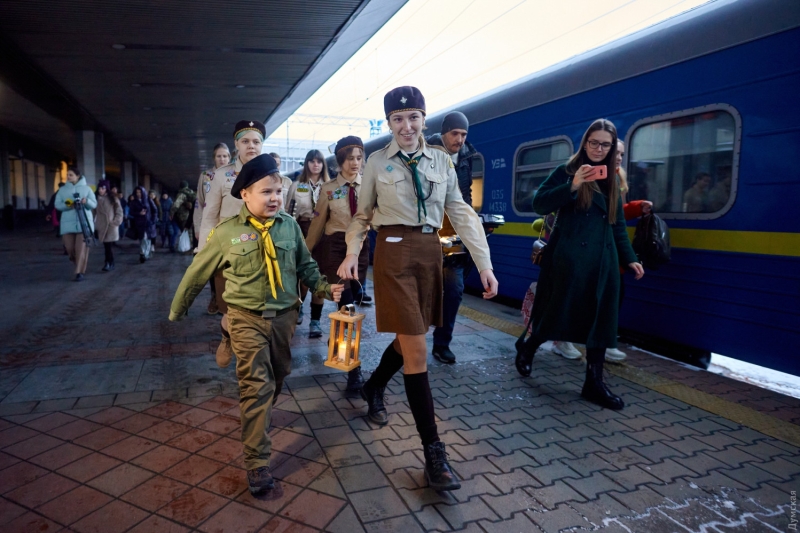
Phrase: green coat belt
[577,297]
[236,248]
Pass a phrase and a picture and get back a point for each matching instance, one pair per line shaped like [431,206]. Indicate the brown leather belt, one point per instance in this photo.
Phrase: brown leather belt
[267,313]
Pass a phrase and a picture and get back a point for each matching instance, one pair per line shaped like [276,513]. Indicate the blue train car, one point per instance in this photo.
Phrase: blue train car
[708,104]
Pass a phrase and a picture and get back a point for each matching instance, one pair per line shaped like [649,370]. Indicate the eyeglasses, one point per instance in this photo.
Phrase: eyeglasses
[594,145]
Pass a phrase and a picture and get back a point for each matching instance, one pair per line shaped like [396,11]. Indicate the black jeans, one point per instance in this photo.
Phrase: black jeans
[456,269]
[109,252]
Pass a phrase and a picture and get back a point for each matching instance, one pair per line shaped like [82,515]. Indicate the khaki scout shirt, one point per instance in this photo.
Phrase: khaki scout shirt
[286,184]
[219,202]
[203,186]
[303,196]
[238,249]
[387,198]
[332,213]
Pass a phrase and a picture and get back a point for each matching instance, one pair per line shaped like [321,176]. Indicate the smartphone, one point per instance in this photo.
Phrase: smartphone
[598,173]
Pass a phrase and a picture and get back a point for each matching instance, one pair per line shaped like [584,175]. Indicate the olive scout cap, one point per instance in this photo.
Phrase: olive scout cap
[243,126]
[455,121]
[403,99]
[252,171]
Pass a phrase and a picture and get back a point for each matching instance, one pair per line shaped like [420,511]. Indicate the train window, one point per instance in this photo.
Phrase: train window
[532,164]
[477,182]
[685,163]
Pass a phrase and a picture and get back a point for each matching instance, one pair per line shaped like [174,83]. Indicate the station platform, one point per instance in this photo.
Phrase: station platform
[113,419]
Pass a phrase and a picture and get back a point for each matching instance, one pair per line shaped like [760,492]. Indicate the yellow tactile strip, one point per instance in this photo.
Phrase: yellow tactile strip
[764,423]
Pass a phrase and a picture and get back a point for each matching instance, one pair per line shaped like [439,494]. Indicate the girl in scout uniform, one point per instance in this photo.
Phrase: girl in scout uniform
[405,191]
[338,201]
[248,137]
[300,203]
[222,157]
[261,252]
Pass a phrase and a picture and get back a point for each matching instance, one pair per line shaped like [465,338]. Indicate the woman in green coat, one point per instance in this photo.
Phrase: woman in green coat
[577,297]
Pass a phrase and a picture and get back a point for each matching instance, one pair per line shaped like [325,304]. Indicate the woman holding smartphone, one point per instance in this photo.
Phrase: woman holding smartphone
[405,191]
[577,298]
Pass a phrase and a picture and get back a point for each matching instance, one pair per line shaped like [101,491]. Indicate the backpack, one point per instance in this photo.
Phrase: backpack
[651,241]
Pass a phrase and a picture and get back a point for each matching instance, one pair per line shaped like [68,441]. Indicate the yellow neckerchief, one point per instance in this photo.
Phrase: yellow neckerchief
[270,257]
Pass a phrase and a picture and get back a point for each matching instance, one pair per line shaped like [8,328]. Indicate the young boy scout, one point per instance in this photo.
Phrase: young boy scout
[262,254]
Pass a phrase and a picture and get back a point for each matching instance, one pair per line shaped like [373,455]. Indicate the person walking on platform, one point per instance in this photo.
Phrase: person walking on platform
[181,211]
[222,157]
[165,227]
[286,183]
[262,254]
[405,191]
[248,137]
[144,215]
[75,190]
[107,220]
[338,201]
[453,138]
[301,203]
[577,297]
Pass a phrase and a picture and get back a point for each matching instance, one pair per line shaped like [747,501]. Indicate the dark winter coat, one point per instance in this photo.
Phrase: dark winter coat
[145,225]
[463,167]
[577,297]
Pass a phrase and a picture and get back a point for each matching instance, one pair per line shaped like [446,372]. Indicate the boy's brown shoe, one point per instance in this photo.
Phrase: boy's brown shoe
[224,351]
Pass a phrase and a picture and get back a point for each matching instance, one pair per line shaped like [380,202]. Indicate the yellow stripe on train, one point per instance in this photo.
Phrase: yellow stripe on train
[749,242]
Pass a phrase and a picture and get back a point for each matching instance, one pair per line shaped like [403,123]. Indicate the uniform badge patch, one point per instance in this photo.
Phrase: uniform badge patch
[244,237]
[210,233]
[235,240]
[389,168]
[207,186]
[302,188]
[253,236]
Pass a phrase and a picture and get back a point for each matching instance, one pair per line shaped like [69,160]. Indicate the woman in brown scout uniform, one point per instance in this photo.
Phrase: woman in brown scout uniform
[248,138]
[405,191]
[300,203]
[338,201]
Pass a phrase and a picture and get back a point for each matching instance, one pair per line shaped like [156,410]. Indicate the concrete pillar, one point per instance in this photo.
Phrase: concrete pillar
[91,155]
[130,177]
[146,182]
[5,171]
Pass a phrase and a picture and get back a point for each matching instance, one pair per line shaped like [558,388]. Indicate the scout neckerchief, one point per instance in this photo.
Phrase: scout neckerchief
[270,257]
[412,166]
[315,190]
[351,196]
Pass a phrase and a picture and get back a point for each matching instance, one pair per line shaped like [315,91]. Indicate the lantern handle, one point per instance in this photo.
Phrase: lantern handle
[360,303]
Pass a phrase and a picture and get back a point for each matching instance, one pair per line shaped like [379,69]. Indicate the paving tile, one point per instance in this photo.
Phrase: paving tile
[289,442]
[41,490]
[158,524]
[33,446]
[347,455]
[229,482]
[324,420]
[115,517]
[335,436]
[298,471]
[554,495]
[164,431]
[8,409]
[62,404]
[193,507]
[167,409]
[193,440]
[19,474]
[59,456]
[378,504]
[401,524]
[15,434]
[49,422]
[9,511]
[160,458]
[127,398]
[273,500]
[136,423]
[75,429]
[74,505]
[236,518]
[97,440]
[194,469]
[313,452]
[361,477]
[8,460]
[129,448]
[224,450]
[328,483]
[194,417]
[111,415]
[591,486]
[459,514]
[155,493]
[559,519]
[313,508]
[281,525]
[219,404]
[520,523]
[30,522]
[222,424]
[105,400]
[88,467]
[121,479]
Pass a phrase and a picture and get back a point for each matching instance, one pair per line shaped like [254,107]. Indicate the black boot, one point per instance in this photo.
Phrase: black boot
[355,380]
[110,267]
[106,268]
[437,470]
[524,358]
[376,410]
[596,391]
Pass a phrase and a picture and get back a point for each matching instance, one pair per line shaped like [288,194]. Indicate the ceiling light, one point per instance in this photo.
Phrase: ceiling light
[118,46]
[240,86]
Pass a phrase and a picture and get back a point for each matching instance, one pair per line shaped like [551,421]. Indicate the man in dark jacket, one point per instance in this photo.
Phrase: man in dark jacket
[456,265]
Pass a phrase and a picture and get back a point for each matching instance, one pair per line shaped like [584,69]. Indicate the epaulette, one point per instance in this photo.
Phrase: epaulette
[439,148]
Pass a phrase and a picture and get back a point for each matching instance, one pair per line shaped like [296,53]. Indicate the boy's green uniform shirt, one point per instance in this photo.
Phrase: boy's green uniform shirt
[237,247]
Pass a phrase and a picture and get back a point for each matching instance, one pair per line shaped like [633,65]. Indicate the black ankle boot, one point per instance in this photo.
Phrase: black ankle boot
[524,360]
[355,380]
[374,398]
[596,391]
[437,470]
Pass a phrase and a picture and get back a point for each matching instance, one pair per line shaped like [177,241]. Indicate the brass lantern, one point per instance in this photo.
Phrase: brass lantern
[345,338]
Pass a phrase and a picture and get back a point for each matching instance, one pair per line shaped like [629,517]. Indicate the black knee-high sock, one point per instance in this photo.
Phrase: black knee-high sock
[418,393]
[316,311]
[391,362]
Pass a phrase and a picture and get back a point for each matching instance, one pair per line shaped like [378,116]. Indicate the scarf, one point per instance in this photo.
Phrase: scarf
[270,256]
[412,165]
[315,190]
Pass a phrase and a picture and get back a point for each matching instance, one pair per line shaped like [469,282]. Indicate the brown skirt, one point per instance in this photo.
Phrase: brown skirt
[331,251]
[408,280]
[304,225]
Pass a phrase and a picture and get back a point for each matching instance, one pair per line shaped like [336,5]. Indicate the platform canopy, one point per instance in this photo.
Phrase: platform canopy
[165,81]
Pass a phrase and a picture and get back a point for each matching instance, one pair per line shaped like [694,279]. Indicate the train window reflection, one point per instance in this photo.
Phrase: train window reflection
[533,163]
[684,164]
[477,182]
